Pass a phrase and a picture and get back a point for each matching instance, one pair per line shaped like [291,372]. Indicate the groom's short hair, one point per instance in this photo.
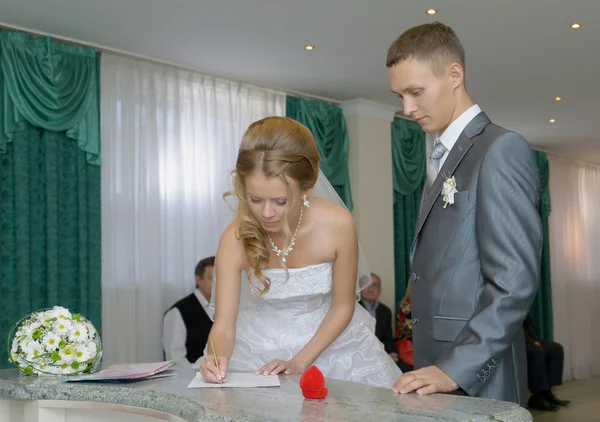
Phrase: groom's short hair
[435,43]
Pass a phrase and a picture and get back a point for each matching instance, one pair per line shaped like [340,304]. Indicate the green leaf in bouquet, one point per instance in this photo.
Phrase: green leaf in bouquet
[37,334]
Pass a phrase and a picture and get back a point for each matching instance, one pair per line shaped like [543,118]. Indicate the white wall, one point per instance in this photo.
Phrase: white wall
[370,168]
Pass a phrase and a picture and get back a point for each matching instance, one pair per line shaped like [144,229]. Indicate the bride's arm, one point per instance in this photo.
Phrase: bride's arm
[229,263]
[344,289]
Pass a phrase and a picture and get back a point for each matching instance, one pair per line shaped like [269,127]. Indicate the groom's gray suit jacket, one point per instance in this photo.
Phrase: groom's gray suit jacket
[476,264]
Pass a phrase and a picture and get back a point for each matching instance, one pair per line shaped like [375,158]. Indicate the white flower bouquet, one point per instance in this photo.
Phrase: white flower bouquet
[55,342]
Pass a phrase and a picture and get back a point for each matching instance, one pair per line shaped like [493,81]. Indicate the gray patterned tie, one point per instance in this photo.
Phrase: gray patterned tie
[434,162]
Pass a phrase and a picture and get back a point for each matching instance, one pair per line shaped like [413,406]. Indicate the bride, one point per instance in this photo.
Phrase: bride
[296,305]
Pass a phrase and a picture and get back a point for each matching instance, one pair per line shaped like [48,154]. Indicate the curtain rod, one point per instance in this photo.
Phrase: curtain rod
[104,49]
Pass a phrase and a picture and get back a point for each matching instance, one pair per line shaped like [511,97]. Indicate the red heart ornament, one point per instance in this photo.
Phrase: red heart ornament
[312,384]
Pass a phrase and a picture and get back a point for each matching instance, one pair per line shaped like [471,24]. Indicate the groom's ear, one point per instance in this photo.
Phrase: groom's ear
[457,74]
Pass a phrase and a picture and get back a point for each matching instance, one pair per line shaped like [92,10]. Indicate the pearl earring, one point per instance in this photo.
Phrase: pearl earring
[306,203]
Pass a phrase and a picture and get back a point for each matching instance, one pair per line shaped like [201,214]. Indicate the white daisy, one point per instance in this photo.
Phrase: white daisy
[78,333]
[60,313]
[30,328]
[46,319]
[62,326]
[51,341]
[91,347]
[24,343]
[67,353]
[82,353]
[33,350]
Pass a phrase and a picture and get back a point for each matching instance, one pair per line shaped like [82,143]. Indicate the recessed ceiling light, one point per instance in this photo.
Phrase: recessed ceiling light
[309,47]
[552,120]
[575,25]
[431,11]
[557,98]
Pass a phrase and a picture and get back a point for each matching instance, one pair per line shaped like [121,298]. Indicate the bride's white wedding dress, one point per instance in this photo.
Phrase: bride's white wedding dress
[282,321]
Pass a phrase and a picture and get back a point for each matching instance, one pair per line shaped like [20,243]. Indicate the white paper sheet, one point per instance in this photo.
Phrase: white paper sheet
[238,380]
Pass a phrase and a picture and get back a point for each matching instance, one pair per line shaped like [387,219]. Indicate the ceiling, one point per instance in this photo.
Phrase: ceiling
[520,54]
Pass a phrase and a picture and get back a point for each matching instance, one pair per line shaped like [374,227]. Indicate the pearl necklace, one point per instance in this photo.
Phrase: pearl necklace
[283,253]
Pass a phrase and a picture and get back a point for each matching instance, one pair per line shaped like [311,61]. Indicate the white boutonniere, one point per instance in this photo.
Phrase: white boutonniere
[448,190]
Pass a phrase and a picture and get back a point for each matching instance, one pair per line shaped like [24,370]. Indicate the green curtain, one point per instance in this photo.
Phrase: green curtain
[328,126]
[50,85]
[50,251]
[541,310]
[408,173]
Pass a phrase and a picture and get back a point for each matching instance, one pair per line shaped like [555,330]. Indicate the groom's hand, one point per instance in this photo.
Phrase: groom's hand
[427,380]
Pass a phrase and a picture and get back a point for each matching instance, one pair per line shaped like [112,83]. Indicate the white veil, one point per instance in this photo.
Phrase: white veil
[322,189]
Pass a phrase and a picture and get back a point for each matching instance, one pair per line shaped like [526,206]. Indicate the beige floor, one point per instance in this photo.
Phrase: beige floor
[585,402]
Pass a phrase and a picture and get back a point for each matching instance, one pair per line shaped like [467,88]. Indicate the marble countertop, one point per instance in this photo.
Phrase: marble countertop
[346,401]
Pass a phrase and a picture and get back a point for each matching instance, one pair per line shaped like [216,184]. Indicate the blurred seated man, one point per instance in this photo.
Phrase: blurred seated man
[381,313]
[545,361]
[186,324]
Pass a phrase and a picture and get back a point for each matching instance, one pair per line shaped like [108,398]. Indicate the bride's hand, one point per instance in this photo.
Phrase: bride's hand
[209,371]
[279,366]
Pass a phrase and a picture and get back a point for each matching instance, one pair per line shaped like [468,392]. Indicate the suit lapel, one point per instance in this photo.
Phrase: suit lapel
[454,158]
[457,153]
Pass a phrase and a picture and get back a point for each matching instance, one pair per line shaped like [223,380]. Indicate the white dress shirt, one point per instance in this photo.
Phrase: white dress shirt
[175,333]
[451,134]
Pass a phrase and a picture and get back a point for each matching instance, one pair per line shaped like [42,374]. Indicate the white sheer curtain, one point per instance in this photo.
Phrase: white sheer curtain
[169,140]
[575,264]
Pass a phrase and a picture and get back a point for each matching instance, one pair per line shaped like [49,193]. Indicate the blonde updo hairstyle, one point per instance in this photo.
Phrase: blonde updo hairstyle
[277,147]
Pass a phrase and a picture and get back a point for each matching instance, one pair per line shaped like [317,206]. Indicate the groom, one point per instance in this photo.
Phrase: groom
[477,250]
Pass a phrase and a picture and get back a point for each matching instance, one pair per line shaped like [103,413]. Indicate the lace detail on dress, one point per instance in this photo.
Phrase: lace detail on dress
[306,281]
